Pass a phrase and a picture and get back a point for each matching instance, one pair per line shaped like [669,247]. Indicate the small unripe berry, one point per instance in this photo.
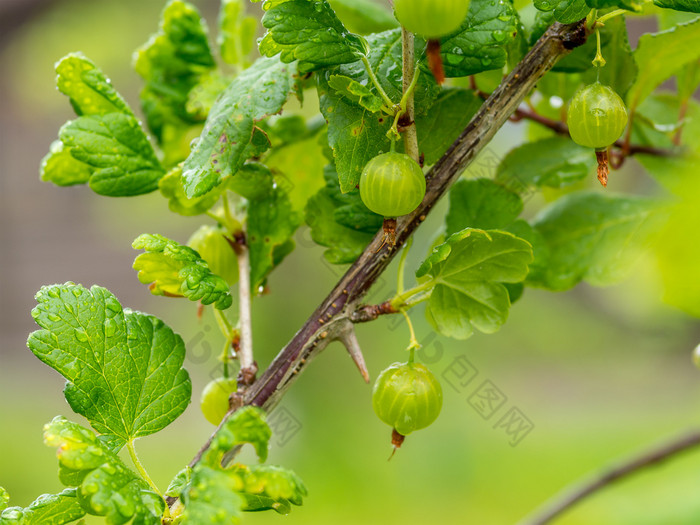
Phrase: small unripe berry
[392,184]
[407,396]
[431,19]
[214,402]
[596,117]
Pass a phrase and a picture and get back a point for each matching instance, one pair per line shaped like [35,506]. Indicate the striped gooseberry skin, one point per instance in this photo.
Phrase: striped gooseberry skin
[597,116]
[407,396]
[431,19]
[392,184]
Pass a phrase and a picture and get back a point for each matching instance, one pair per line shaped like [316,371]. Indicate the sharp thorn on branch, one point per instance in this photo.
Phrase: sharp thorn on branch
[348,337]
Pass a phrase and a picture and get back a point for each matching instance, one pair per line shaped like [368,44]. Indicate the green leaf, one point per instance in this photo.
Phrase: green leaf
[677,252]
[272,222]
[553,162]
[105,486]
[482,204]
[364,16]
[89,90]
[258,92]
[178,271]
[540,251]
[592,237]
[179,483]
[61,168]
[386,59]
[269,487]
[171,63]
[202,97]
[171,187]
[211,244]
[245,426]
[445,121]
[323,211]
[692,6]
[298,168]
[212,497]
[630,5]
[659,55]
[124,368]
[218,495]
[355,135]
[565,11]
[480,44]
[115,147]
[620,69]
[468,271]
[656,123]
[105,146]
[355,92]
[4,499]
[236,32]
[48,509]
[308,31]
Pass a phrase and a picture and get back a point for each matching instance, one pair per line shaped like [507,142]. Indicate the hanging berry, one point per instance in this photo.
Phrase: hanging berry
[392,185]
[596,118]
[408,397]
[433,19]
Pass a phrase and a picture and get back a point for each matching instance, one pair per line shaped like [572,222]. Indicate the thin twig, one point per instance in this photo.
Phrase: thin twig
[245,354]
[331,317]
[370,312]
[407,121]
[571,496]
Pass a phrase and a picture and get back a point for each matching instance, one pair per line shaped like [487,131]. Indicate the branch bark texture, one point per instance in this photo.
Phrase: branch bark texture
[329,320]
[342,301]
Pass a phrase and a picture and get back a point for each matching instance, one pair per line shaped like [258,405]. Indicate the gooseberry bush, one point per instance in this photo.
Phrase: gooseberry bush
[404,110]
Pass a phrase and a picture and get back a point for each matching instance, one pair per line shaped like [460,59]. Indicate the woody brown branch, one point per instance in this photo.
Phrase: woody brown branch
[333,313]
[371,312]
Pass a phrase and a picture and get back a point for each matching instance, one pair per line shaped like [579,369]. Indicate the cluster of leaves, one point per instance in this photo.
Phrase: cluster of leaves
[124,375]
[215,494]
[223,149]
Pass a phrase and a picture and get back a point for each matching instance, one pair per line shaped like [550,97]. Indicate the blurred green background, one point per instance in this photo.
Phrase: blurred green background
[599,373]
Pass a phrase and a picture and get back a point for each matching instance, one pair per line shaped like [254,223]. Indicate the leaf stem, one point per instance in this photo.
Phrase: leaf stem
[402,267]
[141,469]
[608,16]
[598,61]
[373,78]
[413,343]
[214,216]
[402,300]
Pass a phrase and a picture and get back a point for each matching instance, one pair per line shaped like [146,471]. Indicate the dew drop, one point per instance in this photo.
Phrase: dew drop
[498,35]
[80,335]
[77,292]
[110,327]
[53,292]
[113,305]
[53,317]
